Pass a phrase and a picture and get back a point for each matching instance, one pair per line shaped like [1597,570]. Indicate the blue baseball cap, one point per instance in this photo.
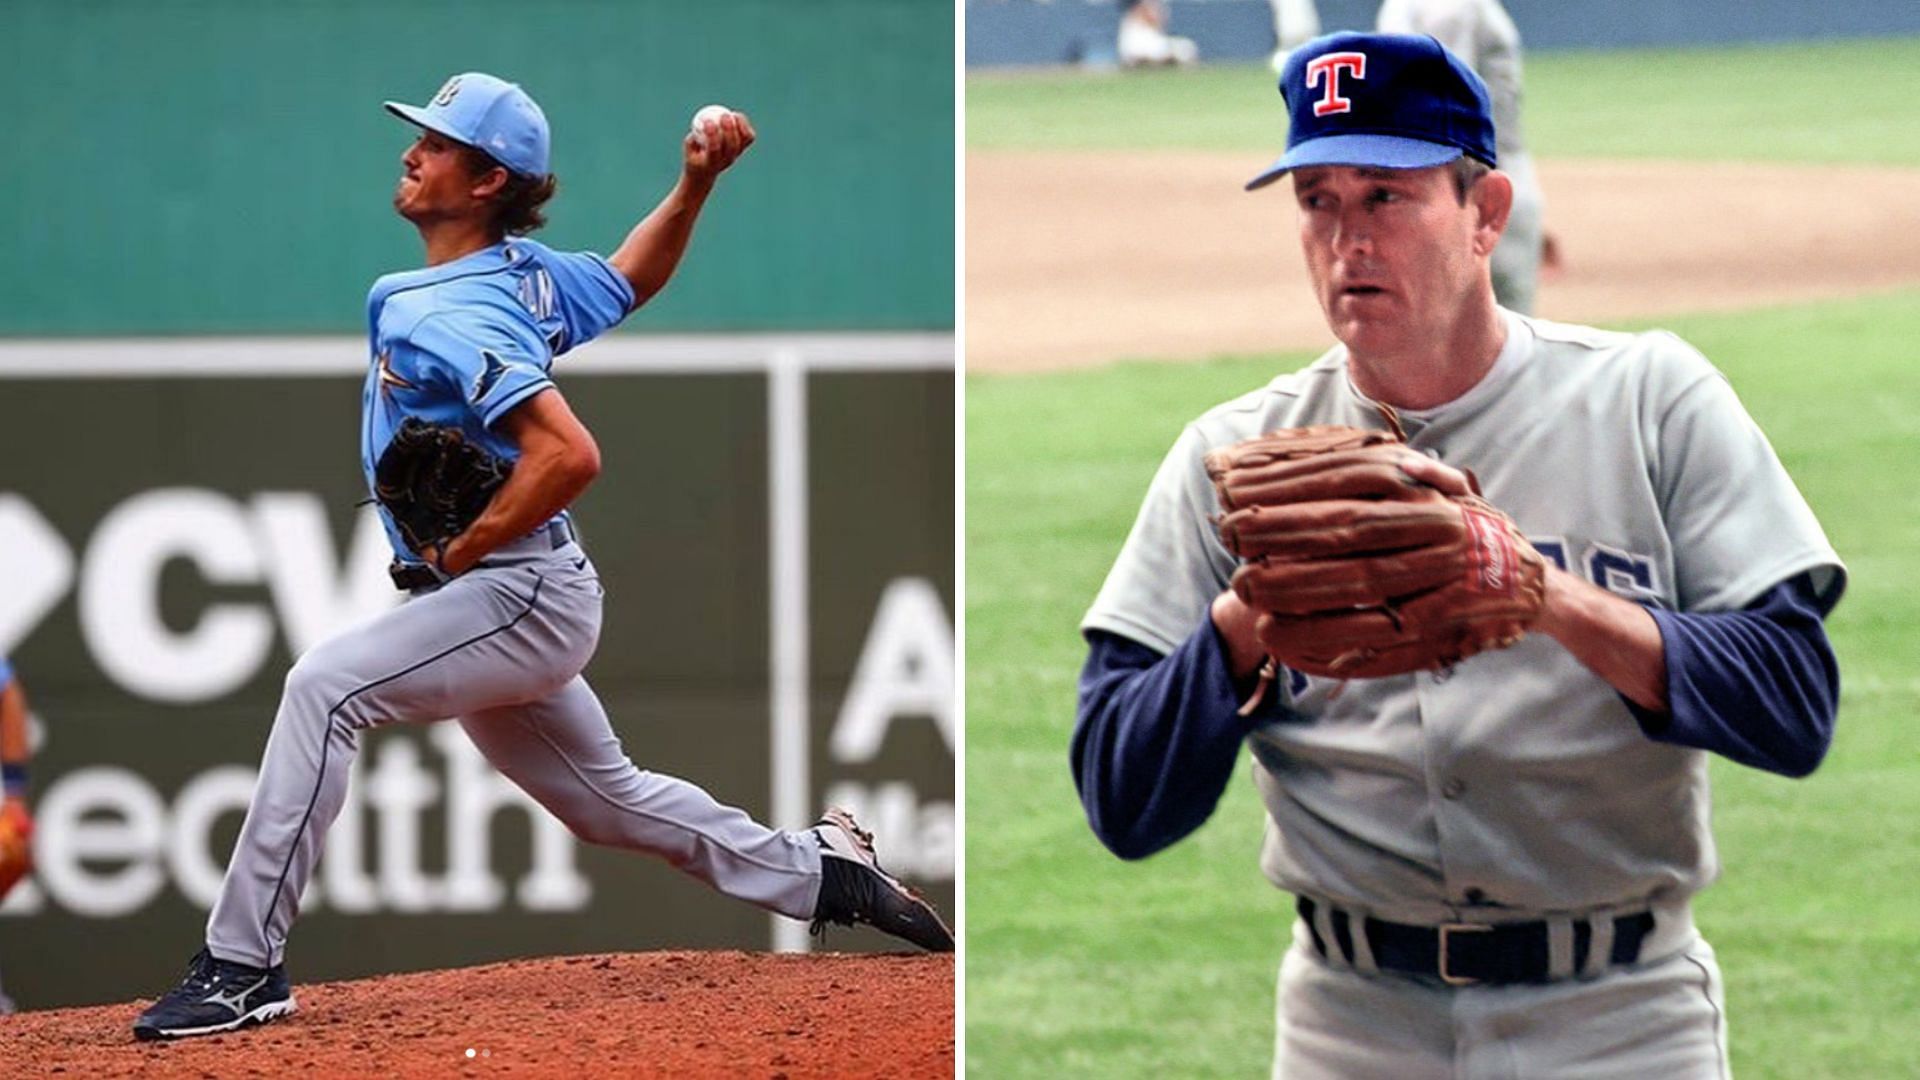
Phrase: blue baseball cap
[1381,101]
[488,114]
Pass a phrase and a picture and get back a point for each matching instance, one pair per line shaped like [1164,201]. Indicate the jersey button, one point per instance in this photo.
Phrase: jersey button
[1453,788]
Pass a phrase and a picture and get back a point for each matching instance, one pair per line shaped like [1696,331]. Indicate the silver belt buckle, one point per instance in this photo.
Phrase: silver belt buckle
[1446,974]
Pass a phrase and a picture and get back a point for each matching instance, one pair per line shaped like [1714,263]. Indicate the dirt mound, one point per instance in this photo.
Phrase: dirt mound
[653,1014]
[1083,257]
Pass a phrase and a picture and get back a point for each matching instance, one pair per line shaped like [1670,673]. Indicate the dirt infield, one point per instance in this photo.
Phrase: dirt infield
[1077,258]
[654,1014]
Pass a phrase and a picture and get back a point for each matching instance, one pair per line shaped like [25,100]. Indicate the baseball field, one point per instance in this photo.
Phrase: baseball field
[1707,192]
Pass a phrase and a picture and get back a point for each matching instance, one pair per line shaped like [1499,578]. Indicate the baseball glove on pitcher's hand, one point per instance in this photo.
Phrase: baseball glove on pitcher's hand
[1360,570]
[16,849]
[434,482]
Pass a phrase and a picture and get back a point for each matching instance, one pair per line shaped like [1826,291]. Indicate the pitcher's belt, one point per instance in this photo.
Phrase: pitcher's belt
[1463,954]
[557,533]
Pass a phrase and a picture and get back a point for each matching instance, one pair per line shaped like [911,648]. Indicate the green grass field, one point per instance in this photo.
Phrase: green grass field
[1751,103]
[1081,965]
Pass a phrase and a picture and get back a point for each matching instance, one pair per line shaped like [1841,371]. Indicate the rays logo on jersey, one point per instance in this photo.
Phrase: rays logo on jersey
[489,376]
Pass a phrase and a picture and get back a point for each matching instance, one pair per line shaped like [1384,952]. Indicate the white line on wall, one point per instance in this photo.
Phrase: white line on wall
[618,354]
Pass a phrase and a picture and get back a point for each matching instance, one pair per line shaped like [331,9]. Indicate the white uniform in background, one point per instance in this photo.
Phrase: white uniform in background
[1144,41]
[1481,33]
[1295,22]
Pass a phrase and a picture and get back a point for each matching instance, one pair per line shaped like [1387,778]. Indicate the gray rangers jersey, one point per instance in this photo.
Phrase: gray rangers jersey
[1518,781]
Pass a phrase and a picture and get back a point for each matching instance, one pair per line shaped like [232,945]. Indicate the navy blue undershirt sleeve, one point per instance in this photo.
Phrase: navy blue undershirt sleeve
[1156,739]
[1157,735]
[1759,685]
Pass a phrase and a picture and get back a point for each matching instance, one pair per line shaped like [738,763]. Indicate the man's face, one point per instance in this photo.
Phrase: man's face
[1392,253]
[436,183]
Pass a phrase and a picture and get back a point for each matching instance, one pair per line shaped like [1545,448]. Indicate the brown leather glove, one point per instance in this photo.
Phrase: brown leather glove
[1359,569]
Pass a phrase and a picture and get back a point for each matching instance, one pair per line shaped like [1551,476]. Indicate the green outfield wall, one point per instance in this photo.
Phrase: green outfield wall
[774,528]
[224,166]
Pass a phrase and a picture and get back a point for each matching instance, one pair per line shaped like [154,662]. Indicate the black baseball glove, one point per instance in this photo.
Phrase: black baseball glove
[434,482]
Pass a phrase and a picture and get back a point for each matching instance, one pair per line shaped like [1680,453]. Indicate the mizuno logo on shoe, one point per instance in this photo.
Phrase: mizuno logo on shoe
[235,1002]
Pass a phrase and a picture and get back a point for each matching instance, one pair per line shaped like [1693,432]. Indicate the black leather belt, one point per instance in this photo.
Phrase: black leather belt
[1463,954]
[410,576]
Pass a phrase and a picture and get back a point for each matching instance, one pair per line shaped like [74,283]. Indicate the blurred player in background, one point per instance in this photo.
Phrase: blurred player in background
[1144,41]
[1482,33]
[16,824]
[1295,22]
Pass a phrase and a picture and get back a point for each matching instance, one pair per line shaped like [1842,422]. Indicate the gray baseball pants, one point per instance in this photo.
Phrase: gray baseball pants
[1665,1017]
[500,648]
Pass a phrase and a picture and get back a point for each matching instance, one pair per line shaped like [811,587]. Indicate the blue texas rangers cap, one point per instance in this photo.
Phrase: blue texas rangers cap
[488,114]
[1383,101]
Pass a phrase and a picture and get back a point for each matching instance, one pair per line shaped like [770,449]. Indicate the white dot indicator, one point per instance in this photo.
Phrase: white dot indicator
[469,1051]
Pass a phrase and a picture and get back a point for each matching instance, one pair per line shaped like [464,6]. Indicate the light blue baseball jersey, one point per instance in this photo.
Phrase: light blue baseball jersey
[465,342]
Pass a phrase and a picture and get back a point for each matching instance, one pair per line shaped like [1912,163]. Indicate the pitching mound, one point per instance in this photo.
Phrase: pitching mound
[653,1014]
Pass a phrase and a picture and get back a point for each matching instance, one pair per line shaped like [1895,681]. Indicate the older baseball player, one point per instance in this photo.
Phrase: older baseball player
[1493,862]
[1481,33]
[503,618]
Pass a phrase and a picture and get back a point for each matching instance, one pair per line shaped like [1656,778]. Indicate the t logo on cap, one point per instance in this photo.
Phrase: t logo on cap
[1421,106]
[1327,69]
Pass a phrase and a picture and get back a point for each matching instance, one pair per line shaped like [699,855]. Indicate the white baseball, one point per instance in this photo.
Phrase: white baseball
[706,113]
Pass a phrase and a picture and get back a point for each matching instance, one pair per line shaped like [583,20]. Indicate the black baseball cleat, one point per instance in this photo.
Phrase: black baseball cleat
[217,995]
[853,889]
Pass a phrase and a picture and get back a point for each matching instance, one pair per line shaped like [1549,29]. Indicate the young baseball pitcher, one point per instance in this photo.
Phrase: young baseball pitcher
[474,457]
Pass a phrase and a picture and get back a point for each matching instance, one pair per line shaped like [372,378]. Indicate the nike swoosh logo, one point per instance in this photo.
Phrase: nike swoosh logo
[581,565]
